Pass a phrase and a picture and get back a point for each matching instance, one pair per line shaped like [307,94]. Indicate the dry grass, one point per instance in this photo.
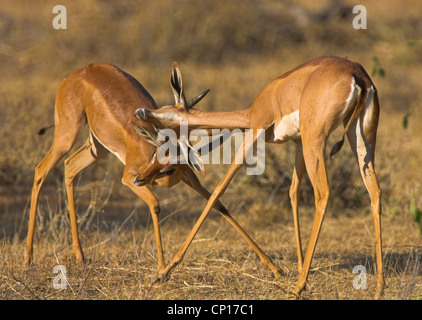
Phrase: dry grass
[219,265]
[235,48]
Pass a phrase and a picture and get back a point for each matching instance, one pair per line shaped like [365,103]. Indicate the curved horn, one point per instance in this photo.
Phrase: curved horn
[195,100]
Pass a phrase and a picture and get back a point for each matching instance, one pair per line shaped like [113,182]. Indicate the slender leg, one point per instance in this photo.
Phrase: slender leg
[298,171]
[190,178]
[195,184]
[362,142]
[315,165]
[151,200]
[64,137]
[41,171]
[82,158]
[218,192]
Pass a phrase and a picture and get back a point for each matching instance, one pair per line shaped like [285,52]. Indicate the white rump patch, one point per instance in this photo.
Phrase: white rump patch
[353,95]
[349,104]
[368,110]
[351,100]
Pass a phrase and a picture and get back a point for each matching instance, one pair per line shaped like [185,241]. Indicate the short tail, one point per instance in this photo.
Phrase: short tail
[43,130]
[363,95]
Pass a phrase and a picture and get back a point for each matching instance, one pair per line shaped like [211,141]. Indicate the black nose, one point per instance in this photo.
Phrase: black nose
[141,113]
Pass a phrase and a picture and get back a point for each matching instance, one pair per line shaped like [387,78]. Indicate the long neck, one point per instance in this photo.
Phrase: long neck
[220,119]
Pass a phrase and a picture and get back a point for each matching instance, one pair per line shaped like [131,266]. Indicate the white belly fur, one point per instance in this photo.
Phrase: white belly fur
[113,152]
[287,128]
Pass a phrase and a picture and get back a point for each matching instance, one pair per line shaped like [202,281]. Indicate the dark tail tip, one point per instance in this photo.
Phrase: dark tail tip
[336,148]
[43,130]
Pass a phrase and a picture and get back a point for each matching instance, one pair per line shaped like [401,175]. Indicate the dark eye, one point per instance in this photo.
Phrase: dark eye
[168,171]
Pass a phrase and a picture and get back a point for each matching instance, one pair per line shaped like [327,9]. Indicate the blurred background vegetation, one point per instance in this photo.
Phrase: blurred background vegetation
[233,47]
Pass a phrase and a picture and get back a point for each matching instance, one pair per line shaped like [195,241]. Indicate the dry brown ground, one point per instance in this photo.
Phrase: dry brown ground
[219,265]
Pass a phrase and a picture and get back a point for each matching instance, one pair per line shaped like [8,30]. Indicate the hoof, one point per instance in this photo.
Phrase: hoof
[28,259]
[79,255]
[298,290]
[161,277]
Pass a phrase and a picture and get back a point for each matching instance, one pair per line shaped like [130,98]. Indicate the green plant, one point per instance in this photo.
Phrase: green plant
[416,215]
[377,69]
[405,121]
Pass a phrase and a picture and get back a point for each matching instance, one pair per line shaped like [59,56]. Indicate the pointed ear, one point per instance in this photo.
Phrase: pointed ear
[149,136]
[193,157]
[195,161]
[176,83]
